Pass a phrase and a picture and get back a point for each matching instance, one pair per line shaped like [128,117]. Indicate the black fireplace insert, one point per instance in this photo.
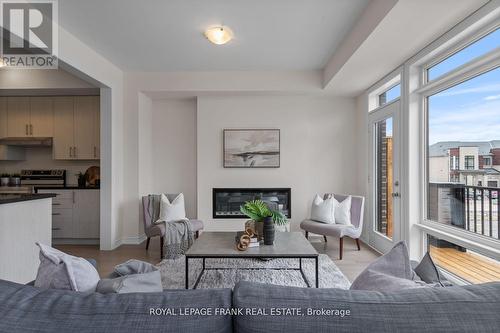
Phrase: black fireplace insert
[227,201]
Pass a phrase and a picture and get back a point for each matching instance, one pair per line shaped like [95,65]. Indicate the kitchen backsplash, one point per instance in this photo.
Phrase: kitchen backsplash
[41,158]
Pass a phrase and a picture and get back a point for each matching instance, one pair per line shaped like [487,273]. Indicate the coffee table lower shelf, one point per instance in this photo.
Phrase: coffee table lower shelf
[204,268]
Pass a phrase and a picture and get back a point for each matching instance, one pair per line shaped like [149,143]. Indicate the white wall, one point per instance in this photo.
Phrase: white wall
[318,149]
[174,149]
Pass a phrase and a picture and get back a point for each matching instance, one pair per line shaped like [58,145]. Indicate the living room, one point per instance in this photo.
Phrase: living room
[347,150]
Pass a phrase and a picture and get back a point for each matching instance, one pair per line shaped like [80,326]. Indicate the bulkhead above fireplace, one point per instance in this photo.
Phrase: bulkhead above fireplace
[227,201]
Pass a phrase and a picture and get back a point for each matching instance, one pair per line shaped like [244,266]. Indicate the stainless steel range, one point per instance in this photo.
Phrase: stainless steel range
[43,178]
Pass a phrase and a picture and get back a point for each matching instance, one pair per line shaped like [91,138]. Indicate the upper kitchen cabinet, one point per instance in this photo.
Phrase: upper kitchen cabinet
[84,127]
[29,117]
[75,128]
[63,128]
[18,117]
[3,117]
[41,117]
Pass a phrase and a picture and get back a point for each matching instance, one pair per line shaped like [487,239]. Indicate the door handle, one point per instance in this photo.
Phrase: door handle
[27,133]
[95,151]
[395,195]
[74,151]
[31,129]
[54,214]
[70,152]
[53,229]
[73,196]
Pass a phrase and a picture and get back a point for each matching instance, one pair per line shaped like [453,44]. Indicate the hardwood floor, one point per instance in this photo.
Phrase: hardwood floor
[469,266]
[351,265]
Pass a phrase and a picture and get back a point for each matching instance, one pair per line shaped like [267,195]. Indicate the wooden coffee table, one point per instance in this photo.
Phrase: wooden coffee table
[212,245]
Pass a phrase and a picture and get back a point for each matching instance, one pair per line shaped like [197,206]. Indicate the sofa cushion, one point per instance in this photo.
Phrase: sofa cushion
[29,309]
[388,272]
[471,308]
[132,276]
[429,273]
[58,270]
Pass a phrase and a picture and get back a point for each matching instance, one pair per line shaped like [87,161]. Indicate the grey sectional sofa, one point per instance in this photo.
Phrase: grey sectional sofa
[455,309]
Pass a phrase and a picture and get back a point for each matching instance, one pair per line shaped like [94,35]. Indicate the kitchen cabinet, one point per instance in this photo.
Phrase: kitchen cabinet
[86,214]
[84,128]
[75,121]
[18,117]
[3,117]
[75,213]
[41,117]
[63,128]
[30,117]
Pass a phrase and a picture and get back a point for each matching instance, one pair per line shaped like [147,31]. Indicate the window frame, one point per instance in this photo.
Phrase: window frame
[467,164]
[460,46]
[416,90]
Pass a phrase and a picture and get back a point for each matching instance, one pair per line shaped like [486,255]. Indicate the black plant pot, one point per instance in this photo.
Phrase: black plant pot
[268,231]
[82,182]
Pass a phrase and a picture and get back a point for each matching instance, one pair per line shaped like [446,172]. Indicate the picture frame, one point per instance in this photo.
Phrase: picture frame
[251,148]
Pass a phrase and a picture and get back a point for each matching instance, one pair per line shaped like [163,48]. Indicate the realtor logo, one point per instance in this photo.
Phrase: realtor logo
[29,33]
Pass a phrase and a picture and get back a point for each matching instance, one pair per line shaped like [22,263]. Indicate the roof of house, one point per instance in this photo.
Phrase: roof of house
[441,148]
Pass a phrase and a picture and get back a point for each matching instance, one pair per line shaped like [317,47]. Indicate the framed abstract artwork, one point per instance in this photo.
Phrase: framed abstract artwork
[251,148]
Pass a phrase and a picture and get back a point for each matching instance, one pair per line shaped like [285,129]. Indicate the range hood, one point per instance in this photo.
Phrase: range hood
[27,141]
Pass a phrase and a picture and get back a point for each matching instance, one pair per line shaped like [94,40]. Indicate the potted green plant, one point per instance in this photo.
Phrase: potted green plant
[4,179]
[15,179]
[82,180]
[264,219]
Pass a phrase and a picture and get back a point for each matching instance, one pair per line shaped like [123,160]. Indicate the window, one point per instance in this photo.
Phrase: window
[492,183]
[453,163]
[464,118]
[469,162]
[487,161]
[462,262]
[389,95]
[470,52]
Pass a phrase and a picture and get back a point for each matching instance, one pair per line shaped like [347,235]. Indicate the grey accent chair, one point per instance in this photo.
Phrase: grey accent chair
[339,230]
[152,230]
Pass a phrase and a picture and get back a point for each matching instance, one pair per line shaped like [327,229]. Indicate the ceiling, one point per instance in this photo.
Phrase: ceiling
[159,35]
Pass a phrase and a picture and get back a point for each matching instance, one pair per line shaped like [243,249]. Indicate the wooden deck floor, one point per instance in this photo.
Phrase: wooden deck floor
[469,266]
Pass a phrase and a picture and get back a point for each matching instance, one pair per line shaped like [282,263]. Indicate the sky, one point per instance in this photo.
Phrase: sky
[469,111]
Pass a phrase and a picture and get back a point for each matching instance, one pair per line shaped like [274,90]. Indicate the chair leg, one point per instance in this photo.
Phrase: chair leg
[161,248]
[197,234]
[147,243]
[341,246]
[307,234]
[325,238]
[357,243]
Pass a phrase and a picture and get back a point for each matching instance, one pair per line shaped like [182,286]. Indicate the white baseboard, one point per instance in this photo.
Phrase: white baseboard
[134,240]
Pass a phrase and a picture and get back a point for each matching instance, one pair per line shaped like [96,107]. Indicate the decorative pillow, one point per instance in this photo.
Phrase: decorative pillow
[322,210]
[342,211]
[133,276]
[429,273]
[59,270]
[386,273]
[172,211]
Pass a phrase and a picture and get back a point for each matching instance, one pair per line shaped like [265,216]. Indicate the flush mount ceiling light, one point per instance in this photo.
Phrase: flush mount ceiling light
[219,35]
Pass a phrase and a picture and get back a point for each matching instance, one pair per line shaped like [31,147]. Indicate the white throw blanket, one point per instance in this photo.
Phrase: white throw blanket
[178,235]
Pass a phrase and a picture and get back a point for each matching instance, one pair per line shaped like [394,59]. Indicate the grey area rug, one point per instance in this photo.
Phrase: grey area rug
[172,273]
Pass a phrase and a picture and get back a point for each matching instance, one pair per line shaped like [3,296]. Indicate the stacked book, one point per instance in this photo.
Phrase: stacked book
[253,241]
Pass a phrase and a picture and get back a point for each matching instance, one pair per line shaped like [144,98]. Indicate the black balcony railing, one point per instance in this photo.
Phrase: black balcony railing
[473,208]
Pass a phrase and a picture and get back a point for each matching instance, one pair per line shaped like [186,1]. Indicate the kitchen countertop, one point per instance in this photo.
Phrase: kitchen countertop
[36,188]
[11,198]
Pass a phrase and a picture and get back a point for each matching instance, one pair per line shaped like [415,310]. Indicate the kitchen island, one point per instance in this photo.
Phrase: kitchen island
[24,220]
